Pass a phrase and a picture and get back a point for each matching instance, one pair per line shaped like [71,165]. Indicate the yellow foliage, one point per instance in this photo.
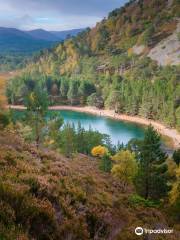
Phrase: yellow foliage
[128,31]
[32,96]
[175,191]
[94,42]
[125,167]
[130,52]
[171,167]
[2,93]
[99,151]
[110,24]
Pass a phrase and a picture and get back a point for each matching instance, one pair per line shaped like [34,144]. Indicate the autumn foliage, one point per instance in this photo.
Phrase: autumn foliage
[99,151]
[125,166]
[2,93]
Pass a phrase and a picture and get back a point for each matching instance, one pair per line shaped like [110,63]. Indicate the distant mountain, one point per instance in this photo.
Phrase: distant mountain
[53,35]
[6,33]
[17,46]
[68,33]
[43,35]
[14,41]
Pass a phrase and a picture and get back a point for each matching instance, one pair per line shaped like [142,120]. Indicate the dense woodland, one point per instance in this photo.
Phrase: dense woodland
[98,67]
[61,182]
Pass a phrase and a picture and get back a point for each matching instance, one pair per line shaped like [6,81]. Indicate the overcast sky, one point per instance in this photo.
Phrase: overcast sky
[54,14]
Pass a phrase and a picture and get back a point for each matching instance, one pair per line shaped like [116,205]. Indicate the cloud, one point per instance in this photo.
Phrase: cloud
[17,22]
[24,21]
[91,7]
[51,14]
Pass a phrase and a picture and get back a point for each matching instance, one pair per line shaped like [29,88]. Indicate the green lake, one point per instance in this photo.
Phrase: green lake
[119,131]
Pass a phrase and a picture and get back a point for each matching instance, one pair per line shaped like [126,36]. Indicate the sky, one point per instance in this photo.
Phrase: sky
[54,15]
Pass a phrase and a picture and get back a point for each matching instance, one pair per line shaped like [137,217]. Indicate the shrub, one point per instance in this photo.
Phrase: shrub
[99,151]
[174,196]
[106,163]
[95,100]
[140,201]
[178,35]
[7,214]
[4,119]
[35,214]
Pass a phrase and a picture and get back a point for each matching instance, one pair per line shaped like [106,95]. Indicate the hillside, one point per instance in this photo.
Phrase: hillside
[111,61]
[63,35]
[44,195]
[135,24]
[43,35]
[15,41]
[17,46]
[167,51]
[62,182]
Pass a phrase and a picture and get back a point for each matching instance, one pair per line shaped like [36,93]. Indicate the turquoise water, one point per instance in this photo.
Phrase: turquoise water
[119,131]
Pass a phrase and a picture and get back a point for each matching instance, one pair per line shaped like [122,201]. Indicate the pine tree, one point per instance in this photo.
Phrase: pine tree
[106,163]
[151,180]
[37,106]
[81,141]
[176,156]
[67,140]
[72,94]
[64,88]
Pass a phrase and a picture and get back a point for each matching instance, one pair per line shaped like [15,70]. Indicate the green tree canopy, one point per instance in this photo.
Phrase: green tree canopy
[151,180]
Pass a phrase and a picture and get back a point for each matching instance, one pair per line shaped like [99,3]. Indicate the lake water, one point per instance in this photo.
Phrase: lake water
[117,130]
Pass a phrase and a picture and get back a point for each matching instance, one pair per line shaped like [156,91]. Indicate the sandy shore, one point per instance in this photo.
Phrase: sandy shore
[162,129]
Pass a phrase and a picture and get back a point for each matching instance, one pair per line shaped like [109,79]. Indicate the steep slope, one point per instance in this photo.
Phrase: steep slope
[43,195]
[167,51]
[137,23]
[113,56]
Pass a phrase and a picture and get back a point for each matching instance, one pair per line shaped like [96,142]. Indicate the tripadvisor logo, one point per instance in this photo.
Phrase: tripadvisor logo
[140,231]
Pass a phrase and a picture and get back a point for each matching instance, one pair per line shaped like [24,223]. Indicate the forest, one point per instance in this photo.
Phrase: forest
[61,182]
[99,67]
[53,174]
[146,90]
